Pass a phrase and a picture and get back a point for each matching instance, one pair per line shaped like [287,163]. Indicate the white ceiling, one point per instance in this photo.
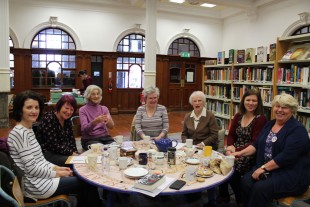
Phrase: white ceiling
[224,8]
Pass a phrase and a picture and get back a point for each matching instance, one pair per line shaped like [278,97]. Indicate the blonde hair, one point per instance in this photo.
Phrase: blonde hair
[89,90]
[286,100]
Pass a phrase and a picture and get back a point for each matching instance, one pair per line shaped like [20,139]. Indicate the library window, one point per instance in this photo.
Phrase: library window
[11,44]
[302,30]
[184,45]
[130,69]
[54,63]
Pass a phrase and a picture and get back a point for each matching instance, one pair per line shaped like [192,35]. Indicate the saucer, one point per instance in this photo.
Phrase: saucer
[192,161]
[136,172]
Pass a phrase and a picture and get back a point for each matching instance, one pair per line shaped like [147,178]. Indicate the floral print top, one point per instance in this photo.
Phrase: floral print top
[55,138]
[244,164]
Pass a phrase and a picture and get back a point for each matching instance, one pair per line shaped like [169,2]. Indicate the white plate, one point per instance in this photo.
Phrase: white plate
[192,161]
[130,161]
[136,172]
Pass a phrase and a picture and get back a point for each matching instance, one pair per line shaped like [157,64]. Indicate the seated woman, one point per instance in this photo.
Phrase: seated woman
[95,119]
[282,162]
[152,118]
[200,125]
[42,178]
[245,127]
[55,134]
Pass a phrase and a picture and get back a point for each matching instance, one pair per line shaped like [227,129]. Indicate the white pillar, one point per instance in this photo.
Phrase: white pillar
[150,43]
[4,63]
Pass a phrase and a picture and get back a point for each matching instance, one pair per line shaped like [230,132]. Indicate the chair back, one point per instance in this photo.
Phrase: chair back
[133,133]
[76,126]
[221,135]
[10,189]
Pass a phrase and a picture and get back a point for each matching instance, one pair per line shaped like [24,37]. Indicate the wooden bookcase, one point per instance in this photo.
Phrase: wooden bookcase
[224,85]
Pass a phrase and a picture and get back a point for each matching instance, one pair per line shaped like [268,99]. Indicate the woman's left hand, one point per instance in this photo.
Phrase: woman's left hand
[257,173]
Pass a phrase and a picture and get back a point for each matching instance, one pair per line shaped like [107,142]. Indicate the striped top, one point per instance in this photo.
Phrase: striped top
[154,125]
[39,178]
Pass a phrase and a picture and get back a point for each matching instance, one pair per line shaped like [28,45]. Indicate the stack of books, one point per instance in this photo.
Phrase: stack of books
[150,182]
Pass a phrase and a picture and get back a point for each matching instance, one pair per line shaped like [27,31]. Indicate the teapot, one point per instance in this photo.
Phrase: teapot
[163,144]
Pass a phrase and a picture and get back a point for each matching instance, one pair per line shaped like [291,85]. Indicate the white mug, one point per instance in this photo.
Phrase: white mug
[230,160]
[190,152]
[119,139]
[91,161]
[96,148]
[122,163]
[190,173]
[189,143]
[159,158]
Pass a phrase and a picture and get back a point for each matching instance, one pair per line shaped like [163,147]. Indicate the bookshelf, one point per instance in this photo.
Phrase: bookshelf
[292,76]
[224,84]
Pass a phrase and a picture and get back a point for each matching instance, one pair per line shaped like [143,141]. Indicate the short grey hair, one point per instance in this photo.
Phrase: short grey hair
[89,90]
[286,100]
[197,94]
[149,90]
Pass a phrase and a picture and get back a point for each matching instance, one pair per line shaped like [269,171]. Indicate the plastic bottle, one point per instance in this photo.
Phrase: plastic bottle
[105,161]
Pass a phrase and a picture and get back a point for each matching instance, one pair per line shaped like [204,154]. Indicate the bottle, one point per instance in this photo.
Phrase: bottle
[105,161]
[171,156]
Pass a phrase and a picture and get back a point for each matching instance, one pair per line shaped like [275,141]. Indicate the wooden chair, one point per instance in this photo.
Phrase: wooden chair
[289,201]
[221,135]
[11,192]
[77,133]
[133,133]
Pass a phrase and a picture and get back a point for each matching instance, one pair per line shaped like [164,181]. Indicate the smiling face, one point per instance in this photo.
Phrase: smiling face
[66,111]
[197,104]
[95,96]
[31,110]
[282,113]
[152,99]
[251,103]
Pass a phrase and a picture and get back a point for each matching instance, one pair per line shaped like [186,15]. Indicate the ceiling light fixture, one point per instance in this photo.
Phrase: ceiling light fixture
[208,5]
[177,1]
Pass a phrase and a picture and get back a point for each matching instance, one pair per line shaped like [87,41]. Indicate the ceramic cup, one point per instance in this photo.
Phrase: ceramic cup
[230,160]
[189,143]
[159,158]
[119,139]
[91,161]
[122,163]
[190,173]
[96,148]
[190,152]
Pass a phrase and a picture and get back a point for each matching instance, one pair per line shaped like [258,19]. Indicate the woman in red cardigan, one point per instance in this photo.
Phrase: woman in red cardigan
[245,127]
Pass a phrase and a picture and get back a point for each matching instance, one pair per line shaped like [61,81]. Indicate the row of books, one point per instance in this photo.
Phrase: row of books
[305,120]
[297,52]
[218,107]
[266,111]
[252,74]
[219,74]
[294,75]
[238,92]
[218,91]
[248,55]
[301,95]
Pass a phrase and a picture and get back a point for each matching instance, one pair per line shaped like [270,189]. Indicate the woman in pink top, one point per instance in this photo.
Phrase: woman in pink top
[95,119]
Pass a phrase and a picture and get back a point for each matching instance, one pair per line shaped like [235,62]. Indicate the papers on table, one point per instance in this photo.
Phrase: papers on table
[81,159]
[180,145]
[157,190]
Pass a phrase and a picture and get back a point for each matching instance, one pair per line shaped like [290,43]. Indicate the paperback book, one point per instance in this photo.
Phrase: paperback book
[272,52]
[250,55]
[150,182]
[261,54]
[232,58]
[240,57]
[221,58]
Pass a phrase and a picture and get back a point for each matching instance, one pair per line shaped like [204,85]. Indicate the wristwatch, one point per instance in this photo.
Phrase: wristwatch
[264,168]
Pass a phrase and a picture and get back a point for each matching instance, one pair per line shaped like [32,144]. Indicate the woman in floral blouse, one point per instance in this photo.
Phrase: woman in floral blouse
[55,133]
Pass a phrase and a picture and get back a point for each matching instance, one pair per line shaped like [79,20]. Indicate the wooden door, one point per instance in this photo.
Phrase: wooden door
[184,78]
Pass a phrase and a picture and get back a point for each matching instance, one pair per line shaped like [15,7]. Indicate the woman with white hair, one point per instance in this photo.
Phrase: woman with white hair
[282,157]
[95,119]
[152,118]
[200,125]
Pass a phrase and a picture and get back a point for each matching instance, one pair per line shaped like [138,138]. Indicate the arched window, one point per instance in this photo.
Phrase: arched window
[54,61]
[11,44]
[302,30]
[131,67]
[184,45]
